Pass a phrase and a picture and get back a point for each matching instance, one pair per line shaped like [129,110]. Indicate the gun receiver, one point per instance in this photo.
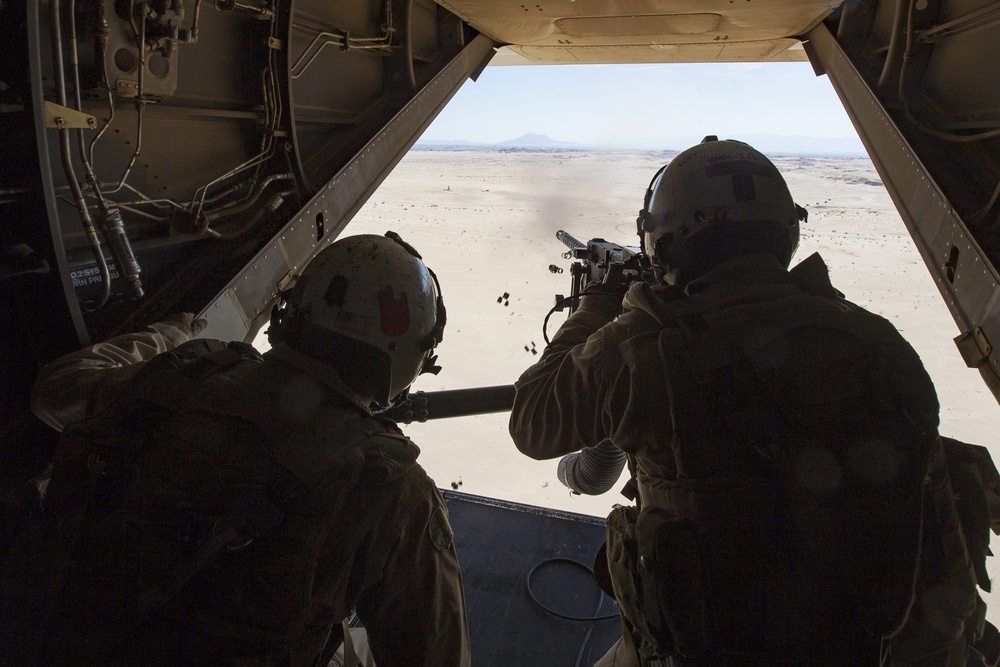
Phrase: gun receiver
[598,258]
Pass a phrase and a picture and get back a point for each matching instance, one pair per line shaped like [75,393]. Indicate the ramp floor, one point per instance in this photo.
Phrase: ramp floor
[530,592]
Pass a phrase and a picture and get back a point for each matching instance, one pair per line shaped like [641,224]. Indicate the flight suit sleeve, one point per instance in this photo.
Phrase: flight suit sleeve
[72,387]
[566,400]
[415,615]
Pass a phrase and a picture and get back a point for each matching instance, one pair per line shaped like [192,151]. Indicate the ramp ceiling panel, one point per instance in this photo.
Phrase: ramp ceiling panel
[644,31]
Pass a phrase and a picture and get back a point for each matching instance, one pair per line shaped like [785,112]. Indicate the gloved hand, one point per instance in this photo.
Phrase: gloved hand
[186,322]
[604,298]
[596,287]
[613,284]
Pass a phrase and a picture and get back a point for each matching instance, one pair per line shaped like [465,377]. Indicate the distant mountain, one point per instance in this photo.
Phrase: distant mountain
[538,141]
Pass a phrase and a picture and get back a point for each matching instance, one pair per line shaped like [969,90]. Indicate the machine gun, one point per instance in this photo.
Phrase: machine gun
[422,406]
[599,260]
[594,470]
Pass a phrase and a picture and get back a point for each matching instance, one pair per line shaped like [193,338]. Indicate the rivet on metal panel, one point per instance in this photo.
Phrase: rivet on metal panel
[984,343]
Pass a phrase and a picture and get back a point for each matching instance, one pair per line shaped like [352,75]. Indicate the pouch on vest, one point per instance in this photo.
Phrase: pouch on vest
[622,549]
[670,574]
[976,484]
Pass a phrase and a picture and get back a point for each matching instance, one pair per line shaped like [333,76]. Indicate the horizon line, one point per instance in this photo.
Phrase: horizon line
[459,145]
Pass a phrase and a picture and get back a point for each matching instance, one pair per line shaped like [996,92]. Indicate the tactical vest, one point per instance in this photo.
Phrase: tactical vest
[192,513]
[791,527]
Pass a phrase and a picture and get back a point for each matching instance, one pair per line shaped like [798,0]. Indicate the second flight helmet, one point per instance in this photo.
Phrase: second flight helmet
[370,306]
[715,200]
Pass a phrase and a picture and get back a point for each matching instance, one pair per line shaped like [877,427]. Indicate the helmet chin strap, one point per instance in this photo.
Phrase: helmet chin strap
[430,365]
[279,317]
[645,219]
[437,333]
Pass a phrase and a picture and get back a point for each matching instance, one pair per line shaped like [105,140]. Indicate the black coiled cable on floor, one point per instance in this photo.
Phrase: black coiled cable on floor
[591,619]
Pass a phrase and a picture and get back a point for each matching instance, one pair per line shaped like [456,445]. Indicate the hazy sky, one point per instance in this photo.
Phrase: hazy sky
[641,105]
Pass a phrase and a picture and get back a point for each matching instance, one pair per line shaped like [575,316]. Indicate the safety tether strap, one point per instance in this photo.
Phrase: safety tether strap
[350,655]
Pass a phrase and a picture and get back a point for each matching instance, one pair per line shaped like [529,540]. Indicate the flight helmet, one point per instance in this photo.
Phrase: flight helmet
[713,201]
[369,306]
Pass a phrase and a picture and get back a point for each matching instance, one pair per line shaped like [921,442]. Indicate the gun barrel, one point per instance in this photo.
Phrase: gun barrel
[570,242]
[422,406]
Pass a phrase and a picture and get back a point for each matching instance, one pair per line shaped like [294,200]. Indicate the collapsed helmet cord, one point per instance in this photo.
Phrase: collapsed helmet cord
[561,303]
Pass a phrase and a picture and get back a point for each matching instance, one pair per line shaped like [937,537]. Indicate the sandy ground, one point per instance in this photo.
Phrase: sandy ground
[485,221]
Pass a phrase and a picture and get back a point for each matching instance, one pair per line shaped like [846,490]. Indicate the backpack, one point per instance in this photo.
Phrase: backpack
[141,504]
[802,436]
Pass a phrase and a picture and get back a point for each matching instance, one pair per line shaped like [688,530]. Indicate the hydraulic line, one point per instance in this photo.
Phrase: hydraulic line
[102,35]
[140,102]
[67,161]
[194,22]
[75,69]
[273,205]
[109,220]
[235,207]
[343,39]
[892,55]
[272,119]
[977,217]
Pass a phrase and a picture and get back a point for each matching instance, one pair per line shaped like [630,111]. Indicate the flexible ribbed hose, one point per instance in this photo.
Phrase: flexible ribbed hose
[593,470]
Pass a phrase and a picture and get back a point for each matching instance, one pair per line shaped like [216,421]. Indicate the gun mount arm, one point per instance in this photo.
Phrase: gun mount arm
[421,406]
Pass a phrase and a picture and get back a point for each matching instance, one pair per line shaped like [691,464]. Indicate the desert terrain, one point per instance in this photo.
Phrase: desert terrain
[485,221]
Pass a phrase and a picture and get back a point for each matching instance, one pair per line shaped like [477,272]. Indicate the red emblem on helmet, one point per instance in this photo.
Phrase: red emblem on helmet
[394,312]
